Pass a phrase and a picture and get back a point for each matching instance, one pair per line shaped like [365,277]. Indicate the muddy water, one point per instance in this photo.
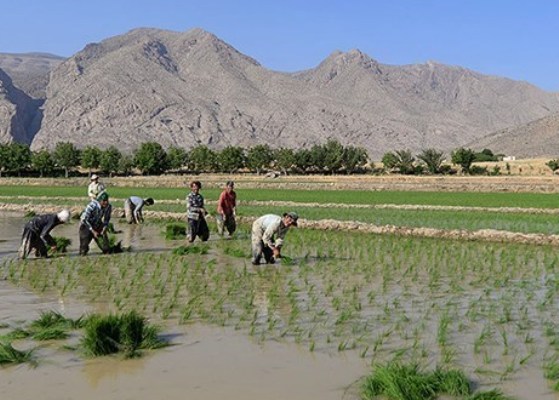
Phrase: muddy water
[204,362]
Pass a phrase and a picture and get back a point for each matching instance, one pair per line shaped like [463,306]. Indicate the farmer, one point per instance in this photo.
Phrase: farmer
[94,223]
[95,188]
[133,209]
[268,233]
[36,234]
[196,213]
[226,209]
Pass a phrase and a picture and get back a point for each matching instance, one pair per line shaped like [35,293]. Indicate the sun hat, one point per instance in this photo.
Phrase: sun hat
[94,177]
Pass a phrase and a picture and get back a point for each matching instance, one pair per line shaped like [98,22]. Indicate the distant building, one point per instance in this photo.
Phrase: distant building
[509,158]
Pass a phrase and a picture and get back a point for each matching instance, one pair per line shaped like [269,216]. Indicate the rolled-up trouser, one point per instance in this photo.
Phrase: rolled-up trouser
[259,249]
[228,223]
[198,228]
[129,211]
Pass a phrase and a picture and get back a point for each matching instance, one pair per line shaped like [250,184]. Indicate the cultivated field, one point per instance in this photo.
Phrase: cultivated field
[457,272]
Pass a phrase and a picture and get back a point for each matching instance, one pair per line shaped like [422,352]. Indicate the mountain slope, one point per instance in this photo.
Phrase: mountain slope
[192,88]
[536,138]
[30,71]
[17,111]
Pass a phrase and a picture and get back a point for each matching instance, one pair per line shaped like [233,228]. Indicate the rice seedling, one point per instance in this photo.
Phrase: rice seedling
[62,244]
[175,231]
[11,355]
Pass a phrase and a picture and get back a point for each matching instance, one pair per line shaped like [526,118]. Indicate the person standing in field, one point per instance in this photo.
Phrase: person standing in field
[226,209]
[133,209]
[268,233]
[196,214]
[95,188]
[36,234]
[94,223]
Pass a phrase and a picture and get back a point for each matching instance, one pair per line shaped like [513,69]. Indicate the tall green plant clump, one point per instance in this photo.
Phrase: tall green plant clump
[127,333]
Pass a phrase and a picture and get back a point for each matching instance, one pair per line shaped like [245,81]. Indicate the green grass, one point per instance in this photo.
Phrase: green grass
[523,200]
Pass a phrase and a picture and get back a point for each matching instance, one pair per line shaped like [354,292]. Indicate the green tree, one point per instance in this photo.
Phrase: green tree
[42,161]
[401,160]
[231,159]
[285,159]
[318,158]
[67,156]
[177,157]
[354,159]
[125,165]
[151,158]
[464,158]
[389,160]
[433,159]
[5,155]
[91,156]
[552,164]
[333,155]
[15,157]
[202,159]
[303,160]
[110,160]
[259,157]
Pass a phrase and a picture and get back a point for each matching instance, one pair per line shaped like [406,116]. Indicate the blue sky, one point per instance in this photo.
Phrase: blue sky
[509,38]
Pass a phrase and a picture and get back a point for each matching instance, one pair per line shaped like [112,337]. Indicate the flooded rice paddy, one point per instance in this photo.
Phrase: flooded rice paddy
[307,328]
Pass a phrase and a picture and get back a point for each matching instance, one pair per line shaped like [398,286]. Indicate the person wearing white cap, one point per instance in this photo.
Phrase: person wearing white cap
[268,233]
[36,234]
[95,188]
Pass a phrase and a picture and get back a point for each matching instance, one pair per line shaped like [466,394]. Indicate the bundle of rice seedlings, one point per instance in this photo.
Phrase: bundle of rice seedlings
[127,333]
[175,231]
[183,250]
[62,244]
[395,381]
[10,355]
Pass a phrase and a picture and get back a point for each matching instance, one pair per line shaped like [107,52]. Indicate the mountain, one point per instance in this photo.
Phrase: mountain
[30,71]
[17,112]
[192,88]
[536,138]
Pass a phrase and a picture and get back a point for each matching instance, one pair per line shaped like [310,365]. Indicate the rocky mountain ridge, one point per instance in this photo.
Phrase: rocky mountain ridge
[191,88]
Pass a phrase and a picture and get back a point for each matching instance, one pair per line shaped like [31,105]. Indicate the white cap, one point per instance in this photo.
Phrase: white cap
[64,216]
[94,176]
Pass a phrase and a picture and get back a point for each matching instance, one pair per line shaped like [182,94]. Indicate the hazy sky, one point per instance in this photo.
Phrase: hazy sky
[509,38]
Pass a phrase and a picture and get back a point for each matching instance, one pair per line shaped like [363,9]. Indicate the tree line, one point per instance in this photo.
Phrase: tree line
[151,158]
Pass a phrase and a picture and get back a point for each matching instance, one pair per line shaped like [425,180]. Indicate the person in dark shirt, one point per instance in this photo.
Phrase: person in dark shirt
[196,214]
[36,234]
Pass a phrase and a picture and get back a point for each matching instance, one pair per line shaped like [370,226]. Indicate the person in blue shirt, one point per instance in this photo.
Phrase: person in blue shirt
[133,209]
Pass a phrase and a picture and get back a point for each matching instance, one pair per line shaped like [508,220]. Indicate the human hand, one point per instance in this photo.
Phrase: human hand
[53,248]
[95,234]
[276,251]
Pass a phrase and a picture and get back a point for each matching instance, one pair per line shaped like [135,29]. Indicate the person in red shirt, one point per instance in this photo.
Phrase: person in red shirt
[226,209]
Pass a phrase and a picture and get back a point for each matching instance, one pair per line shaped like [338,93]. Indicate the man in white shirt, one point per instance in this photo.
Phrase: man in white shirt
[95,188]
[268,233]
